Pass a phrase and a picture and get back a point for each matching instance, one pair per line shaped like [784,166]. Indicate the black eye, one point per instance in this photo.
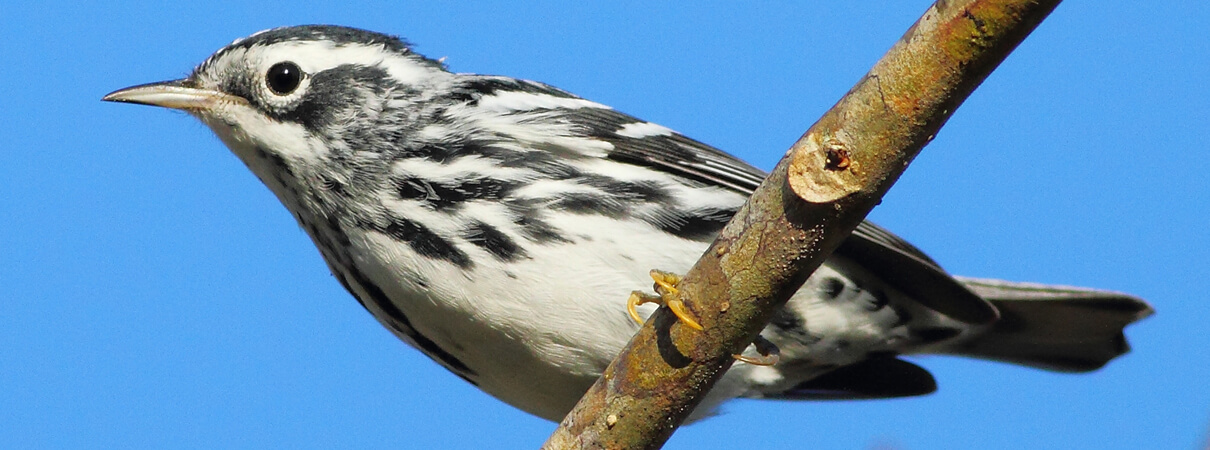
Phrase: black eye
[283,78]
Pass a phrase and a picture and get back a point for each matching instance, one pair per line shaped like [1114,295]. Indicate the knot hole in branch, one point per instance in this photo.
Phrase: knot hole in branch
[837,157]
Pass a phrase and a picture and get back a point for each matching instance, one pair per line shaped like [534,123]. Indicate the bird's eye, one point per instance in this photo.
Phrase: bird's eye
[283,78]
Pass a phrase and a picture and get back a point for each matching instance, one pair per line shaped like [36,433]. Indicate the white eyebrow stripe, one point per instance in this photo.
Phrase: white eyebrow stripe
[318,56]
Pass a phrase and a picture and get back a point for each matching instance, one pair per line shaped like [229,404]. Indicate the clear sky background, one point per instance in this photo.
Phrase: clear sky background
[154,294]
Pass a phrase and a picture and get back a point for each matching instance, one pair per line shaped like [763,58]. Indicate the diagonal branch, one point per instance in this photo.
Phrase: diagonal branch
[818,193]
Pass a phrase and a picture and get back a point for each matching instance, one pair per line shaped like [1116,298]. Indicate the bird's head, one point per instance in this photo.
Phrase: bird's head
[289,99]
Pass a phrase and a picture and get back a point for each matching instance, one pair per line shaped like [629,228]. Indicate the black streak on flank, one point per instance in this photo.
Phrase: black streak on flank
[426,242]
[449,196]
[645,191]
[527,217]
[445,152]
[586,203]
[494,241]
[539,231]
[399,322]
[545,163]
[702,226]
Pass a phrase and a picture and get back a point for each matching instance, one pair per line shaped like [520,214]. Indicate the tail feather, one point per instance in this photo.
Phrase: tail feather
[1058,328]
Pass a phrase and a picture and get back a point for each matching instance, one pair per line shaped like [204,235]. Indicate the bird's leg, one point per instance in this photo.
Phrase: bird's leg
[665,285]
[769,353]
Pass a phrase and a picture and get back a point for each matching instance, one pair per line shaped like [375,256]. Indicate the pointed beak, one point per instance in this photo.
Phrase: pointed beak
[175,94]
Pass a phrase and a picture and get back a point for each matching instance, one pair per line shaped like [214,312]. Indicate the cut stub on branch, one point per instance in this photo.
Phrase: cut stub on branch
[823,170]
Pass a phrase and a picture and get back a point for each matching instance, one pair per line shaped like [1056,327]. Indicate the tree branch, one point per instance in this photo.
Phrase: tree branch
[818,193]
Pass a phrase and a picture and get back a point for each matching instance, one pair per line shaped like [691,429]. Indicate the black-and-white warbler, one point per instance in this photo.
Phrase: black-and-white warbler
[498,225]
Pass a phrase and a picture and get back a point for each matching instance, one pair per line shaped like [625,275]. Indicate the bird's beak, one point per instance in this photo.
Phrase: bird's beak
[175,94]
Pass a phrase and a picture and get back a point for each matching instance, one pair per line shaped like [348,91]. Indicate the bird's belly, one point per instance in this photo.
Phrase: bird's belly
[534,332]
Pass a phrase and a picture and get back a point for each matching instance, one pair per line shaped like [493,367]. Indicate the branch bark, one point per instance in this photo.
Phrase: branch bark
[814,198]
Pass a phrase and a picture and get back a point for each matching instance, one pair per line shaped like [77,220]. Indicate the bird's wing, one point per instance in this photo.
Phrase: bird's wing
[641,143]
[886,255]
[633,141]
[907,268]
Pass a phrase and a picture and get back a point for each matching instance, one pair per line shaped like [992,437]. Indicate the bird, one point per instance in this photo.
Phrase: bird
[499,226]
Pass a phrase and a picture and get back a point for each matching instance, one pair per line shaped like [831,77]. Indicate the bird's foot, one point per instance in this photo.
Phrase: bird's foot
[665,286]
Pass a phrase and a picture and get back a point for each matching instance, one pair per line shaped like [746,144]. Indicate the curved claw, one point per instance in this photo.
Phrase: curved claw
[636,298]
[762,360]
[769,353]
[678,308]
[665,280]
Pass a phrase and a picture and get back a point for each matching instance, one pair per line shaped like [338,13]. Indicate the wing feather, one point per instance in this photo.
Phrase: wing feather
[881,252]
[646,144]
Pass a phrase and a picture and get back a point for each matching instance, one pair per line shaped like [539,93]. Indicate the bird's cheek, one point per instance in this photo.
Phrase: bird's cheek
[233,122]
[228,130]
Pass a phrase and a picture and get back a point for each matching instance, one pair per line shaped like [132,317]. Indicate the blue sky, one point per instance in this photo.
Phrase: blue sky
[154,294]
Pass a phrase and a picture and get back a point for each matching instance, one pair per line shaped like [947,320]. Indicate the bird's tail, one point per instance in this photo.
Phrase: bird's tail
[1061,328]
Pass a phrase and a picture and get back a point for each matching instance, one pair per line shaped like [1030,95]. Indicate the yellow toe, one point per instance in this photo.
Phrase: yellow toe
[666,280]
[678,308]
[636,299]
